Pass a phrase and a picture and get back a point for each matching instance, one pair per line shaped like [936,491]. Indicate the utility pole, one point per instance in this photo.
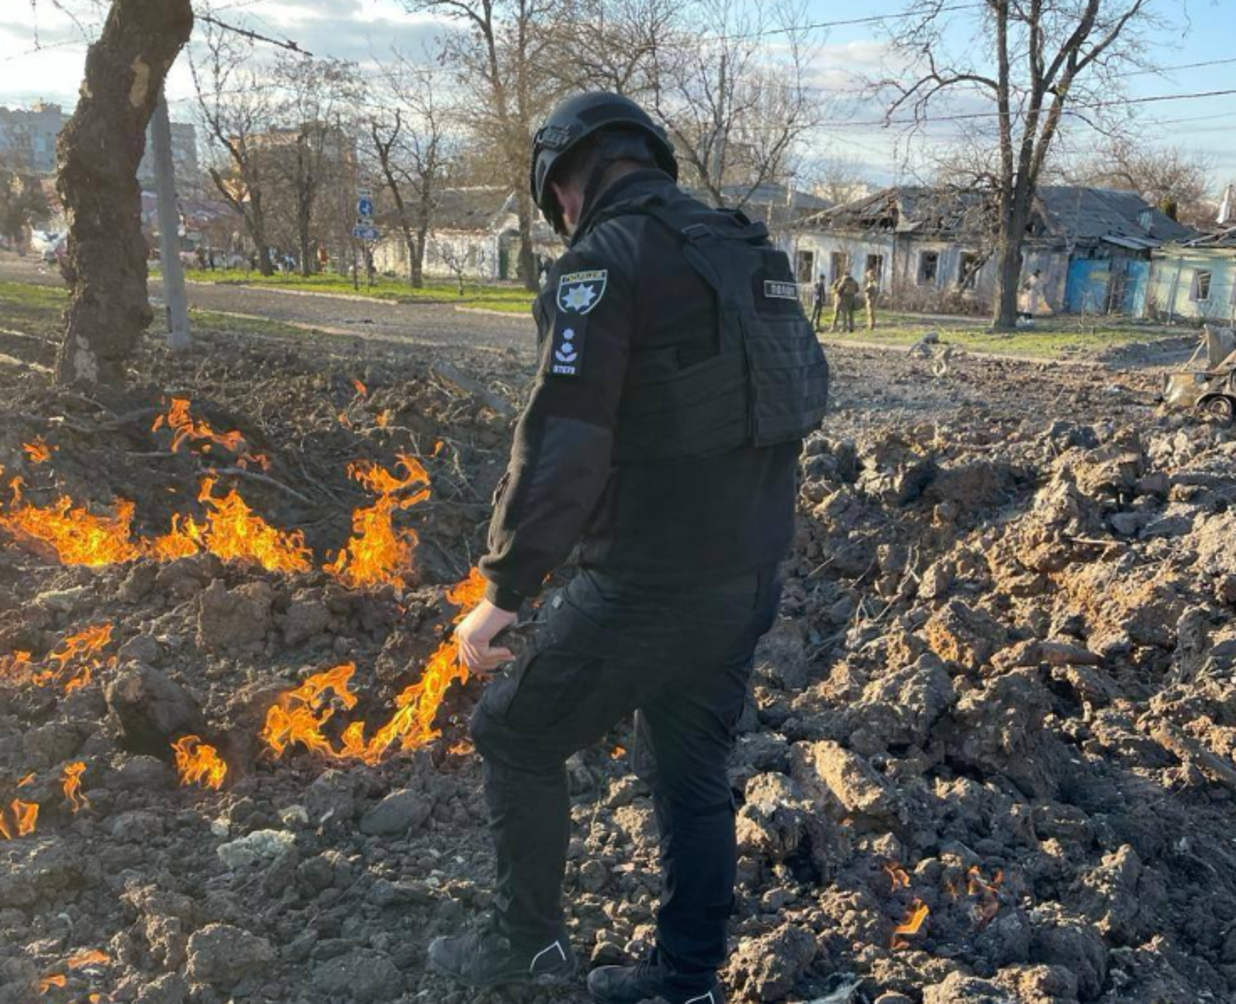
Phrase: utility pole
[169,230]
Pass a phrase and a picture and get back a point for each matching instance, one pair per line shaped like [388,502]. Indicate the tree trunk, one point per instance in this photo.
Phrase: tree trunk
[1013,223]
[1008,282]
[418,257]
[98,156]
[527,262]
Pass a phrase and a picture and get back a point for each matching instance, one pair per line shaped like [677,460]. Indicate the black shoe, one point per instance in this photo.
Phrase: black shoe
[487,959]
[644,982]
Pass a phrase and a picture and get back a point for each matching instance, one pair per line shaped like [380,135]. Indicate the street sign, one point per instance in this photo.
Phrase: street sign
[364,207]
[366,233]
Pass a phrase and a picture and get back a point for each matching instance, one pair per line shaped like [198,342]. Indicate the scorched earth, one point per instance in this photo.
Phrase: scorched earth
[988,756]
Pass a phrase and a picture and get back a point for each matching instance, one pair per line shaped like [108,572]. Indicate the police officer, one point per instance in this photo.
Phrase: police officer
[677,377]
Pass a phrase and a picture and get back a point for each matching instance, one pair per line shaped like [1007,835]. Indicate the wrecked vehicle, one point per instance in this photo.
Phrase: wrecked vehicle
[1211,391]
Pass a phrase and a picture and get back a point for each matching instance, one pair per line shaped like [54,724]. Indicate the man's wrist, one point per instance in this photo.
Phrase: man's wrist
[503,598]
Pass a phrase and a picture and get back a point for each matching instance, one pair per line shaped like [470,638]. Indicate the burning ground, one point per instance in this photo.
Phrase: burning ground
[989,755]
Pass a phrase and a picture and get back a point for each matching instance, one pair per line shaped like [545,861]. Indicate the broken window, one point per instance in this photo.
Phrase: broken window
[967,269]
[1201,286]
[928,267]
[804,266]
[875,265]
[840,265]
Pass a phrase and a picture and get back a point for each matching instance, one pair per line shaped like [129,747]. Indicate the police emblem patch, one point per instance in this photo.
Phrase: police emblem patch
[579,292]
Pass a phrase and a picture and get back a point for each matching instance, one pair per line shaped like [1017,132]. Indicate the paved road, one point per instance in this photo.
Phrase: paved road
[379,320]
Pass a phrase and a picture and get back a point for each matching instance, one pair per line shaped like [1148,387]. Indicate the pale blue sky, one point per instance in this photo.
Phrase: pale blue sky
[354,29]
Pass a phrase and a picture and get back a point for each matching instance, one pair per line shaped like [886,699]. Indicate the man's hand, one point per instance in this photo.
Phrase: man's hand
[477,630]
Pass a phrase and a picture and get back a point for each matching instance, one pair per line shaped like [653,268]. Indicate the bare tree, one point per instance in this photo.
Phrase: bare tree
[236,107]
[728,79]
[1175,180]
[503,60]
[1032,62]
[614,45]
[98,154]
[409,143]
[310,141]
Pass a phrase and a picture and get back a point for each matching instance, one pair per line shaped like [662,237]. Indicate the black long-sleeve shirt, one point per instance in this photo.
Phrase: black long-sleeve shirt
[624,287]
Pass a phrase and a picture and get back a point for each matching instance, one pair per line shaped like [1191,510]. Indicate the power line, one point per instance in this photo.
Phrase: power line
[1068,109]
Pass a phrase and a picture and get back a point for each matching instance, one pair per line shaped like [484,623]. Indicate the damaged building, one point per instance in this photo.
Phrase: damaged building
[1195,279]
[934,248]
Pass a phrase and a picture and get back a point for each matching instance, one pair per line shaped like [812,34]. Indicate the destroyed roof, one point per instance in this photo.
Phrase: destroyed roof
[1068,213]
[478,208]
[1222,238]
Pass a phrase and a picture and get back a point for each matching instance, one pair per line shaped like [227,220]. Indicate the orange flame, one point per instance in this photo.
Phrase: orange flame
[85,647]
[361,389]
[86,957]
[378,554]
[235,533]
[21,820]
[37,452]
[71,782]
[299,715]
[617,753]
[897,876]
[28,779]
[16,668]
[78,536]
[47,982]
[461,748]
[988,892]
[911,923]
[184,428]
[198,763]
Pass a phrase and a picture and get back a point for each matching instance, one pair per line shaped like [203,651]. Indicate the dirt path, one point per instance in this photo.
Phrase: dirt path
[417,324]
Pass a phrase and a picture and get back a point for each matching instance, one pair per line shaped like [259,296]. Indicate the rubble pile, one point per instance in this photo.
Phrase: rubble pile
[989,755]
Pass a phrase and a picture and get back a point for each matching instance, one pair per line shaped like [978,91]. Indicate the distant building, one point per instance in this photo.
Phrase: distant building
[28,142]
[28,137]
[1195,279]
[475,234]
[184,154]
[934,248]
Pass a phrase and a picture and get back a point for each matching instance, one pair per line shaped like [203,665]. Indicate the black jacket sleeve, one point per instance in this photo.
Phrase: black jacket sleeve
[560,460]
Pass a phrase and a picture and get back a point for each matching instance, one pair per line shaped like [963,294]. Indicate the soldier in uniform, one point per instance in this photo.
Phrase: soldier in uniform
[845,292]
[871,292]
[662,435]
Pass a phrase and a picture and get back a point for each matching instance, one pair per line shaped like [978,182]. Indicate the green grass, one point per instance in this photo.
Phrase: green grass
[506,298]
[33,309]
[38,310]
[1050,338]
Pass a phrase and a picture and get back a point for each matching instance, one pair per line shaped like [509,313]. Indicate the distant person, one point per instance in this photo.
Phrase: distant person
[200,256]
[819,294]
[845,293]
[1031,290]
[871,292]
[323,258]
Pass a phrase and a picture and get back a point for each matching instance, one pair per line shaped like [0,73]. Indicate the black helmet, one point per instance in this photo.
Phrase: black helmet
[584,116]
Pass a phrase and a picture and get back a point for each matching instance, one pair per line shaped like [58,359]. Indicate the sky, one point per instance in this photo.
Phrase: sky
[42,55]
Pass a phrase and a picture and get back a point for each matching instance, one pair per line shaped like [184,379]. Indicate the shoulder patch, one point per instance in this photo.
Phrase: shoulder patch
[778,290]
[566,354]
[580,292]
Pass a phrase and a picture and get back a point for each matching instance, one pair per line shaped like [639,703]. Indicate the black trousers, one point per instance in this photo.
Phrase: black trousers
[681,660]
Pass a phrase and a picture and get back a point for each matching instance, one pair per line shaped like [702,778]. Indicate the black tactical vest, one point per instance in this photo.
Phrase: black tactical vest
[767,382]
